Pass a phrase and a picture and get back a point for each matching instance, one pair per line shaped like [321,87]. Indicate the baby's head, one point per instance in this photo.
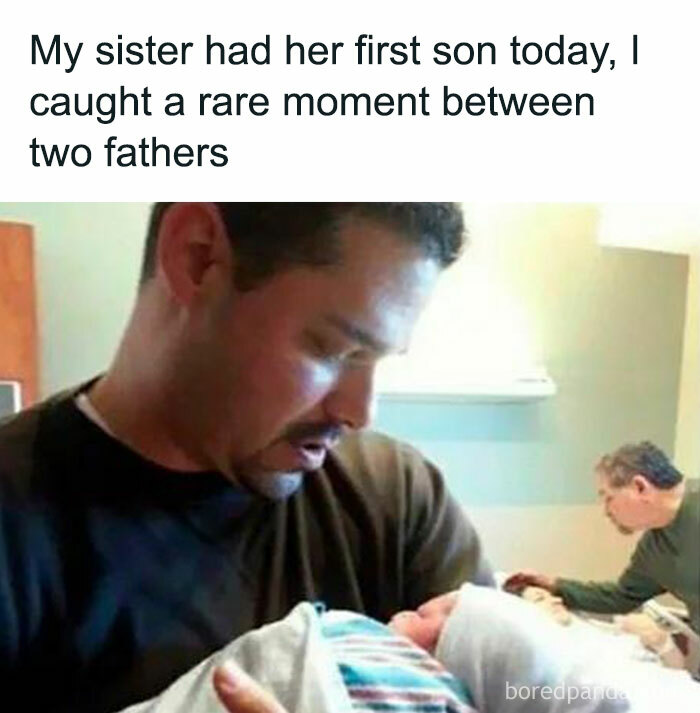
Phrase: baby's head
[548,602]
[424,625]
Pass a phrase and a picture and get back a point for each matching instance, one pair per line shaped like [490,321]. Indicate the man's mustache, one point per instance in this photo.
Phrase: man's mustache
[313,432]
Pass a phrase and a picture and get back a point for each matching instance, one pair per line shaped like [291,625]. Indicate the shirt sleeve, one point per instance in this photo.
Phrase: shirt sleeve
[443,549]
[632,589]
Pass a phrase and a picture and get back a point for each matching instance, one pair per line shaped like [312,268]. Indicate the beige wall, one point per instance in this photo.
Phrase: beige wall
[607,324]
[687,451]
[564,540]
[87,262]
[573,541]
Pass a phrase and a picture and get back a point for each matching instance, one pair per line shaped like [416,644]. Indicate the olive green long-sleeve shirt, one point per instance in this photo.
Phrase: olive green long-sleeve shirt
[666,559]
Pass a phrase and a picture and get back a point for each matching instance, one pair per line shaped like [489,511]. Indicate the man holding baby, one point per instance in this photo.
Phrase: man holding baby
[215,475]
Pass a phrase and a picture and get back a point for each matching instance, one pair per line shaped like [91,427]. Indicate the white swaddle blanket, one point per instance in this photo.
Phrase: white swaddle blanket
[325,661]
[290,658]
[515,659]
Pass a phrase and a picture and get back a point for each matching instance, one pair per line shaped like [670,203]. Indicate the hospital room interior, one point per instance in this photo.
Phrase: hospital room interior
[563,332]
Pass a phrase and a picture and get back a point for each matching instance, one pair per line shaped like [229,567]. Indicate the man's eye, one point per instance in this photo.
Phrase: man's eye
[333,352]
[324,349]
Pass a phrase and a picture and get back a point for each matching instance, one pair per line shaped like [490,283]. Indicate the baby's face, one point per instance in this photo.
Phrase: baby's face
[424,625]
[549,603]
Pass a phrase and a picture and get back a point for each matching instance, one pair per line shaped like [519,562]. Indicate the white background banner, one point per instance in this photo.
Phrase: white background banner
[635,139]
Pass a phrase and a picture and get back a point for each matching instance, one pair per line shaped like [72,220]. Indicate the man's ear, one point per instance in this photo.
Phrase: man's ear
[641,485]
[192,241]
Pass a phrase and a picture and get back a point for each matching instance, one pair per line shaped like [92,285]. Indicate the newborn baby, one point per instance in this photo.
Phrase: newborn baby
[318,661]
[424,625]
[549,603]
[511,656]
[514,656]
[476,649]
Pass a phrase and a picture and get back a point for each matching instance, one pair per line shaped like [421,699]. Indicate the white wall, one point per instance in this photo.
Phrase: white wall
[687,451]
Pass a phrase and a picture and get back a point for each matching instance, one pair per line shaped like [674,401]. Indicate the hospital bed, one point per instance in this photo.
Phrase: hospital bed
[672,619]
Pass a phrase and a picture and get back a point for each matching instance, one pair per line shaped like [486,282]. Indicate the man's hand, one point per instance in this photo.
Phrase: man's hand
[239,693]
[527,578]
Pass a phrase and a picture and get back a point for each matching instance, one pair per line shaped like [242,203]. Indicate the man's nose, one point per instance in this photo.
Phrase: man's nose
[352,400]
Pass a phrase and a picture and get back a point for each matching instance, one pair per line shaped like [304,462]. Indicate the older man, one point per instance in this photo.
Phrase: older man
[641,490]
[158,511]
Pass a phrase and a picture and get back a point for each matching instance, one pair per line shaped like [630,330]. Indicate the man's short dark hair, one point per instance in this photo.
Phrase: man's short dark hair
[640,459]
[269,237]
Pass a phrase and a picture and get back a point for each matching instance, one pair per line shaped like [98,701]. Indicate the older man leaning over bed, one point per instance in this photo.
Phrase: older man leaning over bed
[641,490]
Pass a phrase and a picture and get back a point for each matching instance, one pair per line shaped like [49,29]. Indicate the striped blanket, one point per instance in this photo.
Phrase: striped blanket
[324,662]
[385,672]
